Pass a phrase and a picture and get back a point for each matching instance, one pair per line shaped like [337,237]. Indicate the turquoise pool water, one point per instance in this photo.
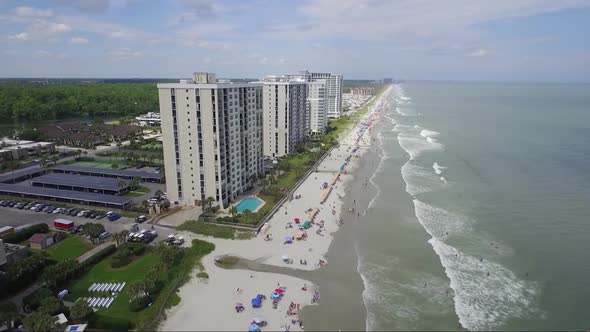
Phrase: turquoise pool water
[249,203]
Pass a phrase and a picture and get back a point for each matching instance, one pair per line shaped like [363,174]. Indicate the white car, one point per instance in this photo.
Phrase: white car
[34,206]
[82,213]
[110,212]
[56,211]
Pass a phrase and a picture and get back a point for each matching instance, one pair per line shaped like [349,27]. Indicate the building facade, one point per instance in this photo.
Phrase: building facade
[284,105]
[212,137]
[333,90]
[316,116]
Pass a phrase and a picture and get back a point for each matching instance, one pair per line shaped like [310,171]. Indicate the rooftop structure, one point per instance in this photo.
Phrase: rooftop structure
[84,183]
[108,173]
[67,196]
[212,138]
[151,119]
[12,253]
[333,97]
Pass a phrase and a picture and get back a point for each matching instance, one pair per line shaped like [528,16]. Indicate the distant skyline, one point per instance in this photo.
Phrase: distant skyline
[456,40]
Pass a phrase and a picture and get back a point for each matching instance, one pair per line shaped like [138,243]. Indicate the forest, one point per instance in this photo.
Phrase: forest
[35,101]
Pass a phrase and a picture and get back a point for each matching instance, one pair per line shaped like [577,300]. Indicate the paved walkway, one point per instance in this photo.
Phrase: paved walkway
[91,253]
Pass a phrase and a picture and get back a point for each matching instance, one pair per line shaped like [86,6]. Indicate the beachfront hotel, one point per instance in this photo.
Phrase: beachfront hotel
[333,90]
[212,135]
[284,105]
[316,117]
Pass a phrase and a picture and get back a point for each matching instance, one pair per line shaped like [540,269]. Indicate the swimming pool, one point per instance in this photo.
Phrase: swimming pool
[249,203]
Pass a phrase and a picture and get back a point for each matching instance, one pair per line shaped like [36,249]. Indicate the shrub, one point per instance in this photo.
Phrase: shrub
[26,233]
[202,275]
[126,253]
[33,301]
[139,303]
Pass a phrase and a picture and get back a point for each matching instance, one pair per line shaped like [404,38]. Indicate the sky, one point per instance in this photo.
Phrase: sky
[459,40]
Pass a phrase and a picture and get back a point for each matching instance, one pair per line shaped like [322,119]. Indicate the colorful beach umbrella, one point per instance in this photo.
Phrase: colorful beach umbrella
[278,290]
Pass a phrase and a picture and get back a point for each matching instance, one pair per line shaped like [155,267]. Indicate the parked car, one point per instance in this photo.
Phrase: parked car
[50,210]
[74,212]
[57,210]
[100,216]
[104,235]
[91,215]
[76,229]
[140,219]
[39,207]
[113,216]
[27,206]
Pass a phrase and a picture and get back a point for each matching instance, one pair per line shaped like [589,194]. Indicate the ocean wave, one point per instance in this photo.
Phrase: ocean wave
[419,179]
[414,146]
[486,294]
[431,140]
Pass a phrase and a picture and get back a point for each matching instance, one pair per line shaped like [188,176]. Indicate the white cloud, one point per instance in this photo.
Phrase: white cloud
[78,40]
[125,54]
[42,54]
[25,11]
[20,36]
[382,19]
[478,52]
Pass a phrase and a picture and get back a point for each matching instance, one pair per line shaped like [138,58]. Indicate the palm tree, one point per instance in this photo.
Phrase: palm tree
[233,211]
[136,289]
[122,184]
[247,215]
[209,201]
[85,153]
[78,153]
[158,193]
[119,145]
[54,160]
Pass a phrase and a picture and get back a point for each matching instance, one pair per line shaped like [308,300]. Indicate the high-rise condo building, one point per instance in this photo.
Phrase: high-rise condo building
[212,135]
[284,107]
[333,102]
[316,115]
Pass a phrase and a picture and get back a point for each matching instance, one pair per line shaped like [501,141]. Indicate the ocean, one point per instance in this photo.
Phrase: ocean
[481,214]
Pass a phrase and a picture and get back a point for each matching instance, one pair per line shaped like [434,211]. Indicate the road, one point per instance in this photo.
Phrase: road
[16,217]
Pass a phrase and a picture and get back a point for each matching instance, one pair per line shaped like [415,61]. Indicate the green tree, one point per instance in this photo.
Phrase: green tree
[247,215]
[158,193]
[50,305]
[8,314]
[92,230]
[136,289]
[80,311]
[121,237]
[233,211]
[78,153]
[134,183]
[39,321]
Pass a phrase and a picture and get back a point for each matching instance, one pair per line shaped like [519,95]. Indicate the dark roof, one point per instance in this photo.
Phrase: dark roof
[36,238]
[82,181]
[108,171]
[63,194]
[8,176]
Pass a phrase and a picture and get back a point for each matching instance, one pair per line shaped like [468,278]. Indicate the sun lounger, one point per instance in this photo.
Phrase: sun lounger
[104,303]
[91,287]
[94,302]
[109,302]
[123,286]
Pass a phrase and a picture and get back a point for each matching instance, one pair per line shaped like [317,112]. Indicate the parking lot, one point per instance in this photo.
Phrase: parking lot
[15,217]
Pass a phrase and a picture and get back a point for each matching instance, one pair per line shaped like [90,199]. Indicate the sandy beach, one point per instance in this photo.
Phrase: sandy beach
[209,304]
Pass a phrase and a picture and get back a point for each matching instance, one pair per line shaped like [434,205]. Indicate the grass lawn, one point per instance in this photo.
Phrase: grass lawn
[203,228]
[138,192]
[101,163]
[71,247]
[117,316]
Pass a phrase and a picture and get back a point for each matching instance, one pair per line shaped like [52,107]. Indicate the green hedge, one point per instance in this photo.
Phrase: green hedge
[126,253]
[26,233]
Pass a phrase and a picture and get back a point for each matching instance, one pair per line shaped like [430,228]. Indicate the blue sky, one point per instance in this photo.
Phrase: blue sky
[501,40]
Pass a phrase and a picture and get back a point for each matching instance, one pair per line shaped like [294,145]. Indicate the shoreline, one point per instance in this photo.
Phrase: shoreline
[203,299]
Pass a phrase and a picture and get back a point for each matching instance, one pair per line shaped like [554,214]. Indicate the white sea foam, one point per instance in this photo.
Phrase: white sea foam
[438,169]
[431,140]
[482,301]
[419,179]
[414,145]
[429,133]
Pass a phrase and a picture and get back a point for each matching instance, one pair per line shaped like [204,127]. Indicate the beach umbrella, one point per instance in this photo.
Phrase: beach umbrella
[279,291]
[275,295]
[253,328]
[258,320]
[296,220]
[285,258]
